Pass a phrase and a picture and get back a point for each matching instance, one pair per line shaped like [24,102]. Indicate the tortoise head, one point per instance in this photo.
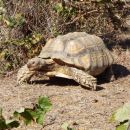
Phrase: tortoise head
[36,64]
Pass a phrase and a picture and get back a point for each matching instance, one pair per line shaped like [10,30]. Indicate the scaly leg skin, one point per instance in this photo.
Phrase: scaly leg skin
[83,78]
[24,74]
[78,75]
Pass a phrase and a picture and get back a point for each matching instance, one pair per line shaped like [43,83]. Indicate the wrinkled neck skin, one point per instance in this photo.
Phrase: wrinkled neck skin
[48,66]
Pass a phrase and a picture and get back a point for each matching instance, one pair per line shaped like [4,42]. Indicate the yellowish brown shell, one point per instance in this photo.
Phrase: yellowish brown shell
[80,50]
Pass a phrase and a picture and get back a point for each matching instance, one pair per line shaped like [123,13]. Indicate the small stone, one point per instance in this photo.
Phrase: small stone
[95,101]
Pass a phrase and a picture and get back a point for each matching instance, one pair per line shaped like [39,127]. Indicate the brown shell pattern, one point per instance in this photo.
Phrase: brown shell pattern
[78,49]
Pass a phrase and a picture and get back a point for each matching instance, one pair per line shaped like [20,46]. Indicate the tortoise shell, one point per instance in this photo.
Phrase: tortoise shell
[80,50]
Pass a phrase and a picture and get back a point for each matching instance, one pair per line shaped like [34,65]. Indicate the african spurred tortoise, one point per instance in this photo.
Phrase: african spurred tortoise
[78,56]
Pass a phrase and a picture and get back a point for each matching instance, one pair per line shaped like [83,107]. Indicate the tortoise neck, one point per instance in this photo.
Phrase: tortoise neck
[51,65]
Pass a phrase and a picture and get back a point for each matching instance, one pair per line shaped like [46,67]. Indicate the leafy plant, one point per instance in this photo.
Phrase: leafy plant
[122,116]
[2,10]
[58,8]
[15,52]
[7,124]
[65,126]
[15,21]
[65,12]
[37,114]
[28,115]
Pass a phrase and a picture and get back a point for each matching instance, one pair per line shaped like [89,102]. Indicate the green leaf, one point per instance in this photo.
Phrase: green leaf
[112,119]
[58,8]
[2,124]
[25,114]
[43,106]
[20,20]
[40,119]
[36,114]
[122,127]
[65,126]
[10,22]
[44,103]
[12,124]
[2,121]
[27,117]
[40,115]
[33,113]
[122,113]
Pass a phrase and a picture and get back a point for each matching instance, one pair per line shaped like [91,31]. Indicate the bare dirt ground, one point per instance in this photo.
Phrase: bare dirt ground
[81,108]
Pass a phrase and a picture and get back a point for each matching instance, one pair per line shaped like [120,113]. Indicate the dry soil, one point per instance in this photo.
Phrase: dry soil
[81,108]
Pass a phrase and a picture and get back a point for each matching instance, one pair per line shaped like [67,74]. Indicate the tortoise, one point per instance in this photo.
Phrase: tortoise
[77,55]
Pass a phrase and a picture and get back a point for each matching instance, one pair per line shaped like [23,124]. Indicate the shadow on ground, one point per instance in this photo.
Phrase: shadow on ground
[58,81]
[119,71]
[124,44]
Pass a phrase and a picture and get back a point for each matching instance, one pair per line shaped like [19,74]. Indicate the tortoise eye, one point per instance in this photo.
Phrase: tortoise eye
[33,62]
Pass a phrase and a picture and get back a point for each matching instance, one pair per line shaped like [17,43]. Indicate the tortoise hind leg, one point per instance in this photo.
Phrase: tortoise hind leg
[111,76]
[78,75]
[108,75]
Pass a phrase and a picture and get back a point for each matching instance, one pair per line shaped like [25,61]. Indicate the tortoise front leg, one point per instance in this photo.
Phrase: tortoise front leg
[83,78]
[32,67]
[24,74]
[78,75]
